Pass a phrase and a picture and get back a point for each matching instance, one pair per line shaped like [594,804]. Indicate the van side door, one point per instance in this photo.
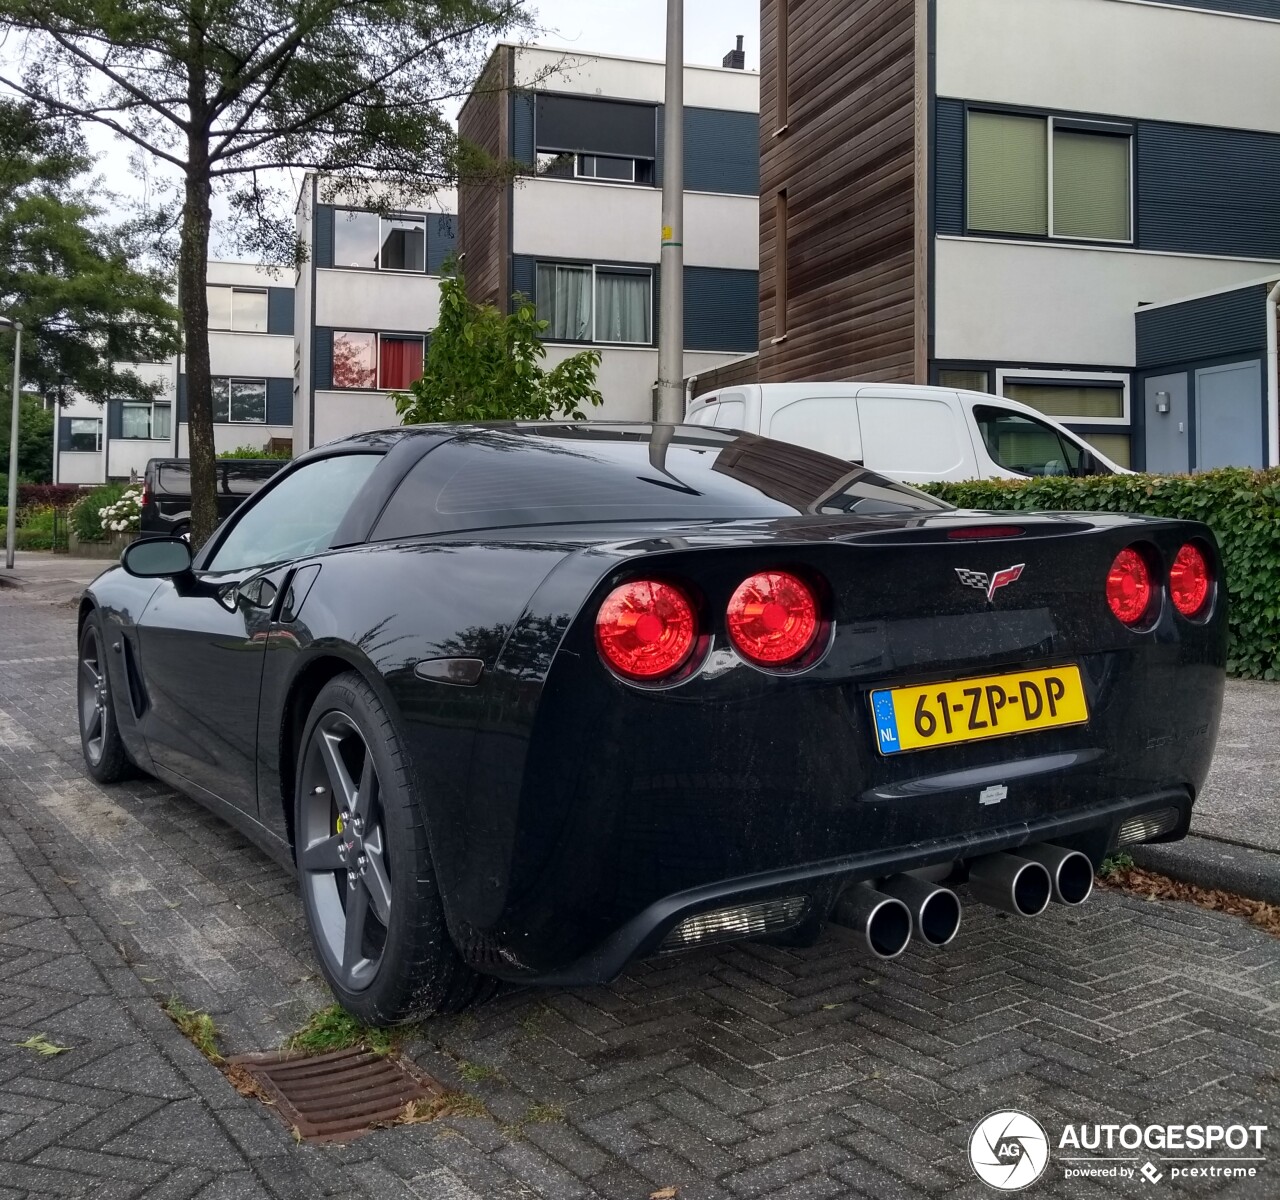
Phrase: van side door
[828,424]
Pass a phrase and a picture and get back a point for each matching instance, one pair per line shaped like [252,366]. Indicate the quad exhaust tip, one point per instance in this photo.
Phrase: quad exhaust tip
[1021,886]
[935,910]
[884,921]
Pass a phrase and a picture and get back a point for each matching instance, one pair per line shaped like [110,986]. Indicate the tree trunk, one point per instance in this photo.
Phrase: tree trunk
[193,257]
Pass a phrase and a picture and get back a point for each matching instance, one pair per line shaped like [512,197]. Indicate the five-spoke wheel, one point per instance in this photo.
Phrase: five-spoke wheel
[343,849]
[104,751]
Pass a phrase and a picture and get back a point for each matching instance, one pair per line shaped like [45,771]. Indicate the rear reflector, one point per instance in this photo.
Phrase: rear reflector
[646,630]
[978,532]
[1146,826]
[728,924]
[1129,587]
[1189,581]
[773,618]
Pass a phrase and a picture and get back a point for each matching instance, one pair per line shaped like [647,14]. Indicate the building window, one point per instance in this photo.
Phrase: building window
[242,310]
[399,362]
[146,421]
[1066,401]
[239,401]
[604,168]
[1118,447]
[370,360]
[369,242]
[595,304]
[86,433]
[967,381]
[1048,177]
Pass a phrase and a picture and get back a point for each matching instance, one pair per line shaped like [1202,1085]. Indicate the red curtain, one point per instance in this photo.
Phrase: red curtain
[401,362]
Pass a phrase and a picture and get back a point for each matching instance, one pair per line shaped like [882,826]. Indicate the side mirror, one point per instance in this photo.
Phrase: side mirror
[157,558]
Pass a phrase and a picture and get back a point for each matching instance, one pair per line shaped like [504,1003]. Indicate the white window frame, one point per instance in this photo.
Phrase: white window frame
[233,289]
[1071,125]
[581,154]
[98,446]
[230,379]
[612,269]
[1081,378]
[151,420]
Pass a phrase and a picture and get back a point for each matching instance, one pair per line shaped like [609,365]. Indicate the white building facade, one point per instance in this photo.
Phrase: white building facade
[251,353]
[579,232]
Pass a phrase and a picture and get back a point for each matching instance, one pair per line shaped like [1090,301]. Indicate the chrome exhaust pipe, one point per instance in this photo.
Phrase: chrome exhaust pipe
[935,910]
[1020,886]
[883,921]
[1071,871]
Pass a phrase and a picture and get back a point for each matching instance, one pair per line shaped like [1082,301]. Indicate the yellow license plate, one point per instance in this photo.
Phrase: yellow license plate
[968,710]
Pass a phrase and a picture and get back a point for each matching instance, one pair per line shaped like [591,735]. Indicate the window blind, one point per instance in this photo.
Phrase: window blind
[1090,185]
[1008,173]
[1080,401]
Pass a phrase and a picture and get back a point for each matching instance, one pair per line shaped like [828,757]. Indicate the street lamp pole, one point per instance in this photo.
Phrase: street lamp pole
[11,522]
[670,406]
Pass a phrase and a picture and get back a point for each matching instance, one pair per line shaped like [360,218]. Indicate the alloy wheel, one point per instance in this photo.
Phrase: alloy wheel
[342,850]
[92,696]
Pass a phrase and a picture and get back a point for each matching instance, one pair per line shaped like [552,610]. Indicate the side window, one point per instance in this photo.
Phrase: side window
[298,517]
[1026,445]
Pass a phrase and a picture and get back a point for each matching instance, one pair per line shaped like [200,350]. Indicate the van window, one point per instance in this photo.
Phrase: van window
[825,423]
[1028,446]
[911,436]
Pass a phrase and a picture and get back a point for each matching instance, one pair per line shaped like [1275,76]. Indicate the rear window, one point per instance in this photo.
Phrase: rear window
[570,475]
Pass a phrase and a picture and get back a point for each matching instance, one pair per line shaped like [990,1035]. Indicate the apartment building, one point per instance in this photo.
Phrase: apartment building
[364,302]
[1071,203]
[579,229]
[251,356]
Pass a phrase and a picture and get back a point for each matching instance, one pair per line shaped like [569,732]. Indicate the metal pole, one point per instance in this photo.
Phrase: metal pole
[670,406]
[11,524]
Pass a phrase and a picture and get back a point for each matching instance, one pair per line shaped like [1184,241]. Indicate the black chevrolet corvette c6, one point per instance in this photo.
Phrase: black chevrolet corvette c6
[529,701]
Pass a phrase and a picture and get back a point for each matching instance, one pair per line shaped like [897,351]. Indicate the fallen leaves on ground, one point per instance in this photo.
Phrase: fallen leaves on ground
[1151,886]
[666,1193]
[42,1045]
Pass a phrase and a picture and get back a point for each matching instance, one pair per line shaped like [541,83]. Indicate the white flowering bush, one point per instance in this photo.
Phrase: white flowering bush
[124,514]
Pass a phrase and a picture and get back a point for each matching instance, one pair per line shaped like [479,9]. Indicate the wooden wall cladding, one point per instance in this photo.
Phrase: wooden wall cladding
[482,203]
[848,161]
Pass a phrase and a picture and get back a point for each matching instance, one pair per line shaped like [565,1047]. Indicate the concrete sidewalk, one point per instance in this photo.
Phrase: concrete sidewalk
[42,578]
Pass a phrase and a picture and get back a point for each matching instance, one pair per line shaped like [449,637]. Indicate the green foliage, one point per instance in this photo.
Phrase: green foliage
[255,452]
[42,1046]
[71,279]
[484,365]
[1241,506]
[1119,861]
[86,520]
[196,1026]
[41,528]
[35,438]
[334,1028]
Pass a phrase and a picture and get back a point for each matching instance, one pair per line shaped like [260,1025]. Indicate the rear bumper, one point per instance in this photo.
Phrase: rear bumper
[1091,830]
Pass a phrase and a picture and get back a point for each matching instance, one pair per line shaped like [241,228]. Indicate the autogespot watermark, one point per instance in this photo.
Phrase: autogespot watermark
[1010,1150]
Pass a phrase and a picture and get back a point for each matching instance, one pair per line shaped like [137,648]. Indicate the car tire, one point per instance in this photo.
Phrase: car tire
[362,853]
[105,756]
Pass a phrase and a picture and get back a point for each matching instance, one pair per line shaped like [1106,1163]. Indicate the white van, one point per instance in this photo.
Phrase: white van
[909,433]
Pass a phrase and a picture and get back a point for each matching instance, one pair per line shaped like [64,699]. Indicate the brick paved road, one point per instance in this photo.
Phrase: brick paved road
[752,1072]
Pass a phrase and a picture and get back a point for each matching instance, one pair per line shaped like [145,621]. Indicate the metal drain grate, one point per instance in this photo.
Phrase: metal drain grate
[338,1096]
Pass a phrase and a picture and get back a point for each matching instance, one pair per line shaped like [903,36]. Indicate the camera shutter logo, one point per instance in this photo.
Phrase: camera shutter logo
[1009,1150]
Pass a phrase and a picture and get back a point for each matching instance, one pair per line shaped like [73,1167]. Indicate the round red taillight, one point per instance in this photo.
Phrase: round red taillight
[646,630]
[1189,581]
[1129,586]
[773,618]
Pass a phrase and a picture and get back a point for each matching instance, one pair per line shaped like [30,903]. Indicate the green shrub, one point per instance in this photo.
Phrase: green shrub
[1242,507]
[255,452]
[86,523]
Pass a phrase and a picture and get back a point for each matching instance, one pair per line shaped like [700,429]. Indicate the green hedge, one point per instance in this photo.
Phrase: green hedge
[1242,507]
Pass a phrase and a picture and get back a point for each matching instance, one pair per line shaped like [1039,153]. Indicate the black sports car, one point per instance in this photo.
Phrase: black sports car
[529,701]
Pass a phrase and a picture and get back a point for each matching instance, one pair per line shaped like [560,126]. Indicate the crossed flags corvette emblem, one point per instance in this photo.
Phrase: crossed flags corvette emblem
[989,583]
